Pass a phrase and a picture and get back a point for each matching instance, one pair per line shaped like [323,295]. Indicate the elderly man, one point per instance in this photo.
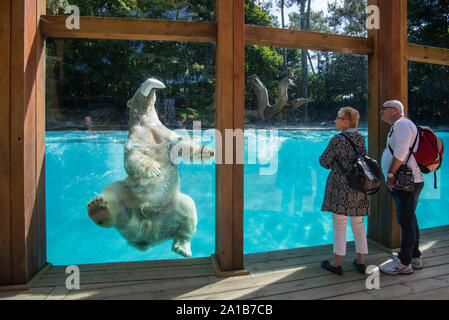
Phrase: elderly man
[401,139]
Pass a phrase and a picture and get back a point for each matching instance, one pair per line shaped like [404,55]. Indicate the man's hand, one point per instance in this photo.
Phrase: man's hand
[390,183]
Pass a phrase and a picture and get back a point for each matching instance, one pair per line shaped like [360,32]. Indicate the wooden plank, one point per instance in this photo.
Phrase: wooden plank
[286,38]
[51,280]
[29,137]
[344,288]
[373,123]
[17,137]
[136,265]
[437,294]
[5,160]
[229,116]
[392,46]
[427,54]
[149,29]
[239,124]
[41,242]
[224,120]
[296,277]
[130,29]
[23,140]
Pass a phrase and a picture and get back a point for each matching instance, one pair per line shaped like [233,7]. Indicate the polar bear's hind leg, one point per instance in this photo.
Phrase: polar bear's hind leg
[99,211]
[186,209]
[182,247]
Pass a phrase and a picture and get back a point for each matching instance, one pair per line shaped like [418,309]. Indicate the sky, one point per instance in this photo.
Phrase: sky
[316,5]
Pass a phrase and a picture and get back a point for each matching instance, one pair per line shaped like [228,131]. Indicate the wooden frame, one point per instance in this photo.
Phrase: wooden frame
[388,80]
[5,149]
[130,29]
[427,54]
[230,86]
[24,27]
[23,250]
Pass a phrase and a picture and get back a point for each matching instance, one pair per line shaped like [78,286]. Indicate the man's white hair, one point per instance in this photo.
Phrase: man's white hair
[395,104]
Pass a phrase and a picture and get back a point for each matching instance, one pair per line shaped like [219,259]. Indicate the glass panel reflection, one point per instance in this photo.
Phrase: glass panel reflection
[284,182]
[346,17]
[126,178]
[186,10]
[428,103]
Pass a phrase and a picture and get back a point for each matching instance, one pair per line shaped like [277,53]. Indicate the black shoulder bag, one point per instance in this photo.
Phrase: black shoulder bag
[404,176]
[365,174]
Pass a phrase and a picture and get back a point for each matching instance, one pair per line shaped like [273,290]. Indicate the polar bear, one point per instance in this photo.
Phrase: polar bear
[147,207]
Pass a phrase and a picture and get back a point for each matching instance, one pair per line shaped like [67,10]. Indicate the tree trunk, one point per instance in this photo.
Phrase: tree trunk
[304,70]
[284,50]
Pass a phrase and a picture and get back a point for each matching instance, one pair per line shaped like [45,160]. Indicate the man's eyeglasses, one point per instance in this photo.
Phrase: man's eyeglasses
[383,108]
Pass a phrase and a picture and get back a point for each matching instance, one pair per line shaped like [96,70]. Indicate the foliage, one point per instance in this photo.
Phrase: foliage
[93,75]
[428,88]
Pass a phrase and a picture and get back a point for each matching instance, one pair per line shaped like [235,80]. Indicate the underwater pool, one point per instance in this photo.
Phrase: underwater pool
[284,186]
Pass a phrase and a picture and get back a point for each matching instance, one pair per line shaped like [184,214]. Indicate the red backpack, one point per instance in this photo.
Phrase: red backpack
[430,151]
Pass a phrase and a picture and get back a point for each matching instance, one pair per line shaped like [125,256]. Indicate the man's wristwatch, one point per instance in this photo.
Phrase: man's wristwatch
[390,175]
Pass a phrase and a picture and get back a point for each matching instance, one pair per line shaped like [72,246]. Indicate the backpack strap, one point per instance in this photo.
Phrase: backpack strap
[411,149]
[435,179]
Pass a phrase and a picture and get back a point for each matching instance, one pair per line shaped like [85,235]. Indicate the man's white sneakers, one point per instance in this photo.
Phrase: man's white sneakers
[396,267]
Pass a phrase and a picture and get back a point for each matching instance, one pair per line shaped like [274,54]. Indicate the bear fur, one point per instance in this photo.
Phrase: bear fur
[147,208]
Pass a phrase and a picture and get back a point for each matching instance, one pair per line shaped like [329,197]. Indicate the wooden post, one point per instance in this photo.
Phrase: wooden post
[387,80]
[230,88]
[5,150]
[26,106]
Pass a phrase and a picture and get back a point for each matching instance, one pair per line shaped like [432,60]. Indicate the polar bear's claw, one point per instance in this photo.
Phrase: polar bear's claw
[182,248]
[152,169]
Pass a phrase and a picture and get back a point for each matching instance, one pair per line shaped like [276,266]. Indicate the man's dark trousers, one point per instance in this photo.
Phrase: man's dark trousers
[406,203]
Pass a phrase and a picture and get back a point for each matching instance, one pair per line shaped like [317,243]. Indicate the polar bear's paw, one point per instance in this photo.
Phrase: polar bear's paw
[151,168]
[207,153]
[98,211]
[182,247]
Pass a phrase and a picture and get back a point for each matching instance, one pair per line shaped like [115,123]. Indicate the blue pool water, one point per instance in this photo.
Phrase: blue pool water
[284,187]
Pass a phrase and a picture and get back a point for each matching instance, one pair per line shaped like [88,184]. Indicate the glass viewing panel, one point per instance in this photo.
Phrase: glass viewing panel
[427,22]
[283,149]
[186,10]
[119,127]
[428,103]
[336,17]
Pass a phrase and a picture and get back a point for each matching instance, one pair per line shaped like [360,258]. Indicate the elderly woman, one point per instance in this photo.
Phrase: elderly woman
[339,198]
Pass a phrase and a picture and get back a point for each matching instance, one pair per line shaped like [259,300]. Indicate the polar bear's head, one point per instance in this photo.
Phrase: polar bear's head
[145,95]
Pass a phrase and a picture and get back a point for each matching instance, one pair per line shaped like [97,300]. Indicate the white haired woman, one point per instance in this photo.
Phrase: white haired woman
[339,198]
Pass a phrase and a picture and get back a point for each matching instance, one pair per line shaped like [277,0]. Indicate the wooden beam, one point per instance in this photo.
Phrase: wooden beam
[229,116]
[5,151]
[148,29]
[276,37]
[130,29]
[374,123]
[41,239]
[427,54]
[239,124]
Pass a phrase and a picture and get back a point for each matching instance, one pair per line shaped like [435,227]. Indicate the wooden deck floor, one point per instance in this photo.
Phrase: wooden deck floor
[287,274]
